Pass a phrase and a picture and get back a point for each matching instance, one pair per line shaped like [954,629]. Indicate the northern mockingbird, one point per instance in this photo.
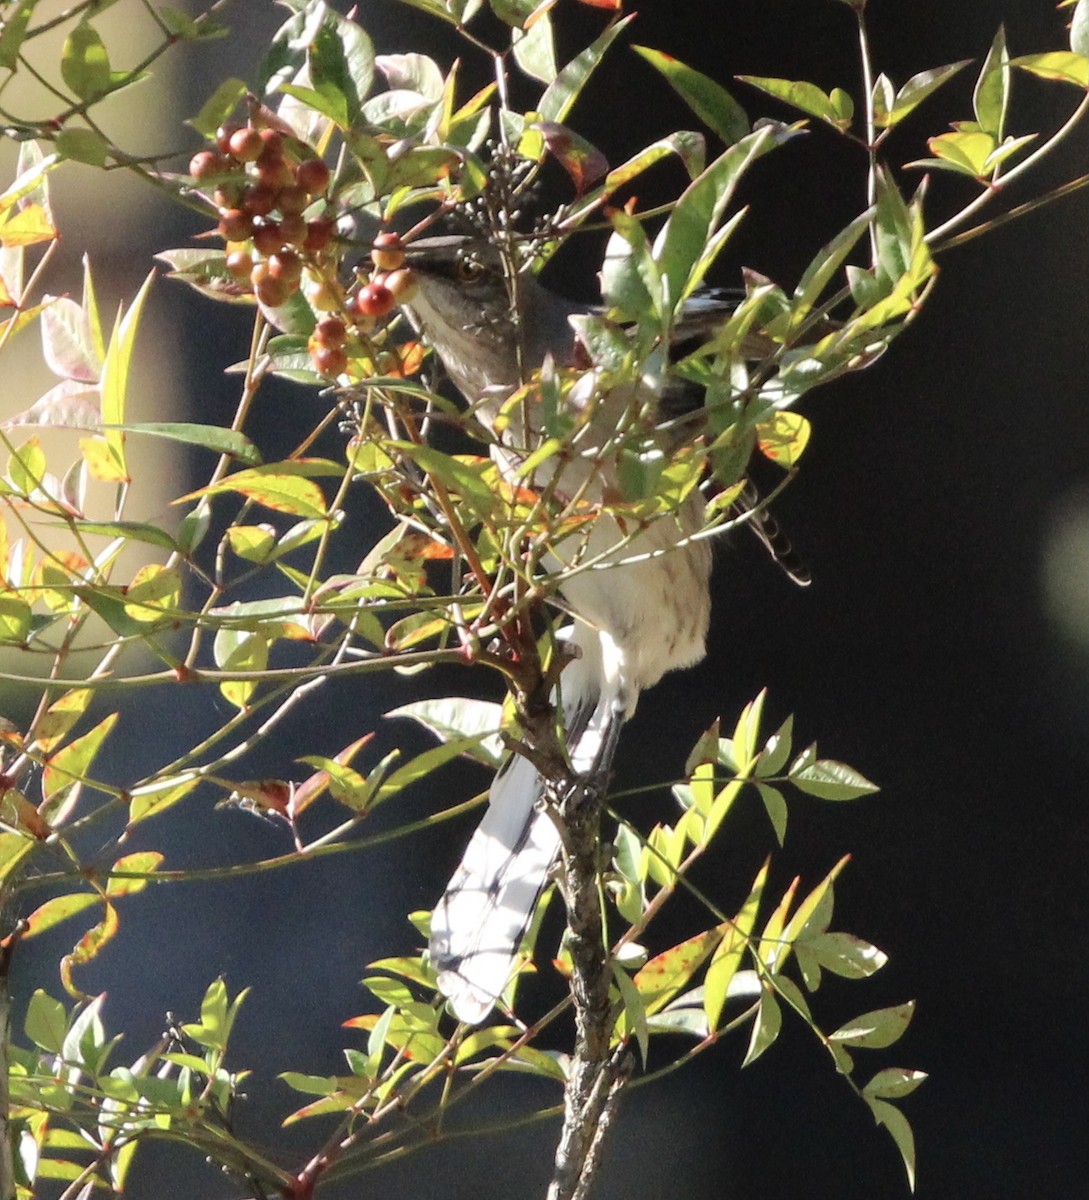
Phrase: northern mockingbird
[644,616]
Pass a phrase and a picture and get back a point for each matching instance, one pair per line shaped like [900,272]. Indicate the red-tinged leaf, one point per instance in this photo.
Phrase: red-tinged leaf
[144,862]
[17,812]
[584,163]
[157,797]
[876,1030]
[283,487]
[1063,66]
[784,438]
[88,947]
[14,847]
[102,461]
[664,976]
[71,763]
[67,343]
[314,785]
[709,100]
[58,909]
[27,227]
[611,5]
[69,404]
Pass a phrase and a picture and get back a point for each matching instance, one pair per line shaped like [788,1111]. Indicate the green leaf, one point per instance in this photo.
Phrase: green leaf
[71,763]
[155,798]
[894,1082]
[535,51]
[423,764]
[664,976]
[697,214]
[826,265]
[775,807]
[283,487]
[766,1027]
[836,108]
[900,1129]
[13,32]
[991,97]
[219,106]
[82,145]
[831,780]
[559,97]
[15,618]
[846,955]
[208,437]
[217,1017]
[917,89]
[58,909]
[143,862]
[46,1022]
[709,100]
[85,65]
[115,373]
[463,718]
[1064,66]
[129,531]
[633,1020]
[1079,28]
[876,1030]
[730,951]
[240,650]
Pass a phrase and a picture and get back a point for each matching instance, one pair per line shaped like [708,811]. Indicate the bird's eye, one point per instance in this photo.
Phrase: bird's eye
[470,269]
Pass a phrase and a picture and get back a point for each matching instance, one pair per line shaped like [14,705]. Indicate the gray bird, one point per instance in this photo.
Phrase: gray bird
[641,610]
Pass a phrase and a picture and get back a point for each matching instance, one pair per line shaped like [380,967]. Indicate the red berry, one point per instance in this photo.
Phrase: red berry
[374,300]
[272,141]
[323,297]
[266,288]
[267,238]
[389,252]
[227,194]
[223,137]
[240,263]
[286,265]
[312,176]
[207,164]
[275,172]
[329,360]
[402,283]
[235,225]
[319,234]
[292,199]
[293,229]
[258,200]
[331,332]
[245,144]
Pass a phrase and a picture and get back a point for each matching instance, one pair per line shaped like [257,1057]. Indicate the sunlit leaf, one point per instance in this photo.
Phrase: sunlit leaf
[830,780]
[58,909]
[876,1030]
[72,762]
[1063,66]
[85,64]
[709,100]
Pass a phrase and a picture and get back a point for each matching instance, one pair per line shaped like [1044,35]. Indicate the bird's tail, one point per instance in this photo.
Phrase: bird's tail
[478,925]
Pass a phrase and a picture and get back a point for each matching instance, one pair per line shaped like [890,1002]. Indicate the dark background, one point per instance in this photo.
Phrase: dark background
[930,653]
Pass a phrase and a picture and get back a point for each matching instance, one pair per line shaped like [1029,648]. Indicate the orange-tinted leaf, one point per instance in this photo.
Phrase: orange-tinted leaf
[88,947]
[58,909]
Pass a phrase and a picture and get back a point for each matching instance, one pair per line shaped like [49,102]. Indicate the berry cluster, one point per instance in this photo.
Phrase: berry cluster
[271,194]
[262,189]
[376,297]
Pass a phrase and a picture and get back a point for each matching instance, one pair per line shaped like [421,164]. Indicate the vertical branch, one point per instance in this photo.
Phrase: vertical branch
[597,1073]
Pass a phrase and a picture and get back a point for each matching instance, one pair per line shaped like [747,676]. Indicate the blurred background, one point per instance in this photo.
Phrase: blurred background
[943,650]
